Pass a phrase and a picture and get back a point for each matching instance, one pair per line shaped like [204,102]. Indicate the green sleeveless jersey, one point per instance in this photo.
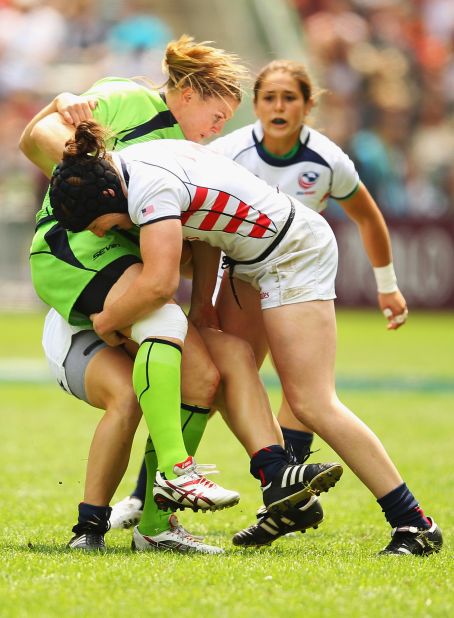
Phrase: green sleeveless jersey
[132,113]
[62,263]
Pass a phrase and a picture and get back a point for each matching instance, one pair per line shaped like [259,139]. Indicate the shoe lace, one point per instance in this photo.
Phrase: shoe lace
[200,471]
[181,531]
[308,454]
[293,459]
[204,469]
[187,536]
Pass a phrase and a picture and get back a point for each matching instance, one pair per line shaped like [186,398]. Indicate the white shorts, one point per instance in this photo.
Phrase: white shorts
[302,268]
[68,351]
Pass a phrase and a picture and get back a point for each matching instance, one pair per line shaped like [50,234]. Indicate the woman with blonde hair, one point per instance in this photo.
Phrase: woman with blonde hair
[202,91]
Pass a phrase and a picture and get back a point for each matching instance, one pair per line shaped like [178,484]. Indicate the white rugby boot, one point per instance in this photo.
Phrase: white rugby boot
[190,489]
[126,513]
[175,539]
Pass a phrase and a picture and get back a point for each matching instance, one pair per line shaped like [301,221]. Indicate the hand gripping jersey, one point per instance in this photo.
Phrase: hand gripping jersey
[132,113]
[317,171]
[218,201]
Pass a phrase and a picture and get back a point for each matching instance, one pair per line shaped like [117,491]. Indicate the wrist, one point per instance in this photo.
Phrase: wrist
[386,279]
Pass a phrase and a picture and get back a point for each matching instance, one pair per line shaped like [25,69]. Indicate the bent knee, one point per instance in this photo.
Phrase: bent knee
[315,411]
[122,404]
[199,385]
[234,355]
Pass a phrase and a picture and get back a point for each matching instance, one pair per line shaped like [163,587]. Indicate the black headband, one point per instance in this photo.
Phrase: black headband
[79,192]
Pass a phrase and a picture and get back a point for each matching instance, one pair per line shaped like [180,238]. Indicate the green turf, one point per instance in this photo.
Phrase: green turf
[332,571]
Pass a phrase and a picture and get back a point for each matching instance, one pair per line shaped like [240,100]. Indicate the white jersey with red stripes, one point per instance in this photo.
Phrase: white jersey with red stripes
[217,200]
[317,171]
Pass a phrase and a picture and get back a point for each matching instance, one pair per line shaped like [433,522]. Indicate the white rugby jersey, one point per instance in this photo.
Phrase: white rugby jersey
[319,170]
[217,200]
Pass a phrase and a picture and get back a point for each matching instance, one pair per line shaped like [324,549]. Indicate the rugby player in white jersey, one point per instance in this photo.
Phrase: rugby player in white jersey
[180,190]
[284,151]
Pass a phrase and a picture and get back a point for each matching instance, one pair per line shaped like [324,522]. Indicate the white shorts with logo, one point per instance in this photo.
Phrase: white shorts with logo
[302,268]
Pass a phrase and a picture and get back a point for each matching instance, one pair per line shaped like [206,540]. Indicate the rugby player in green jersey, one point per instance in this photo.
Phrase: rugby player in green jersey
[202,92]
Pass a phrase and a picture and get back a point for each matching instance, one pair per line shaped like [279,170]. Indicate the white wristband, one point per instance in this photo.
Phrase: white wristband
[386,279]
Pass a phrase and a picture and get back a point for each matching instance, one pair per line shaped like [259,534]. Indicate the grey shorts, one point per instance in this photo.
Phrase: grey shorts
[84,346]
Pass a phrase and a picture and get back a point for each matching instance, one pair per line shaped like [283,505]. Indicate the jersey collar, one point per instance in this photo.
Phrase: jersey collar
[257,135]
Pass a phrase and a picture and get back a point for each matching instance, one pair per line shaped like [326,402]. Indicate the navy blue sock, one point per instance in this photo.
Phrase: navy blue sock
[93,517]
[267,462]
[297,444]
[401,508]
[141,484]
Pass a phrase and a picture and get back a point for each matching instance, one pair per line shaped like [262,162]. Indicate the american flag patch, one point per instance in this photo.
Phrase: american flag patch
[148,210]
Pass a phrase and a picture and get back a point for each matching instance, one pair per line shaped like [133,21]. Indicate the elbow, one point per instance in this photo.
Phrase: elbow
[161,292]
[23,145]
[36,136]
[26,143]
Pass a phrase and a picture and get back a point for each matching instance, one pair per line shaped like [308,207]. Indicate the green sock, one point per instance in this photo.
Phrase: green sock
[193,423]
[153,520]
[156,380]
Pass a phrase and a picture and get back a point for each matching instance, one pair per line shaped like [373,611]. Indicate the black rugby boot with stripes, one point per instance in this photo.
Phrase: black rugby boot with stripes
[269,528]
[409,540]
[295,483]
[90,530]
[87,537]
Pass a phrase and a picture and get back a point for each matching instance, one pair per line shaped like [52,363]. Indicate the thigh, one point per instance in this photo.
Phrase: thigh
[302,339]
[83,364]
[85,345]
[245,322]
[108,379]
[199,375]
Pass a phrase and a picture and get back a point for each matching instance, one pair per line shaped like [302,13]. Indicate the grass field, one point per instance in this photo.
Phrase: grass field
[400,383]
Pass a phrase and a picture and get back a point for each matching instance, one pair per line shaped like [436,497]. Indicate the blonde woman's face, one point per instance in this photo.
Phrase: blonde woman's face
[280,106]
[201,119]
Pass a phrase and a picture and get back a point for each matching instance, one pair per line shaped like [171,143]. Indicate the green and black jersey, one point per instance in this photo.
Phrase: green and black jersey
[63,263]
[132,113]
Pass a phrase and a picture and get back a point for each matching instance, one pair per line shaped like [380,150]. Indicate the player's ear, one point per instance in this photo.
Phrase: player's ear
[308,106]
[187,94]
[110,192]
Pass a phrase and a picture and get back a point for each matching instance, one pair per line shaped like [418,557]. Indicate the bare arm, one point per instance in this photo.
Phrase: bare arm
[44,138]
[205,261]
[363,210]
[186,260]
[160,247]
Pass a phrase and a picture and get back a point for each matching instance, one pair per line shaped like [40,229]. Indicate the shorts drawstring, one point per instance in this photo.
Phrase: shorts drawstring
[229,263]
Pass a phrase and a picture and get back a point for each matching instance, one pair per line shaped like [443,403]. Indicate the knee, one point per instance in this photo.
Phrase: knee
[237,357]
[199,387]
[315,410]
[211,381]
[124,408]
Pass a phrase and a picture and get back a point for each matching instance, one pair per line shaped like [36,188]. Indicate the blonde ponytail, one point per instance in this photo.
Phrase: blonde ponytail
[207,70]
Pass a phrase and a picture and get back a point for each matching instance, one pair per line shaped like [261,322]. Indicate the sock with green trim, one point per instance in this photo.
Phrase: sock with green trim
[156,381]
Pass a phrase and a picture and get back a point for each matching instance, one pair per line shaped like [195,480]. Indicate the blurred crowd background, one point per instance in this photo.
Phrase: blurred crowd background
[385,69]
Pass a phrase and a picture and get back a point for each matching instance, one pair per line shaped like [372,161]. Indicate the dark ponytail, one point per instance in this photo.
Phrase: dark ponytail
[88,141]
